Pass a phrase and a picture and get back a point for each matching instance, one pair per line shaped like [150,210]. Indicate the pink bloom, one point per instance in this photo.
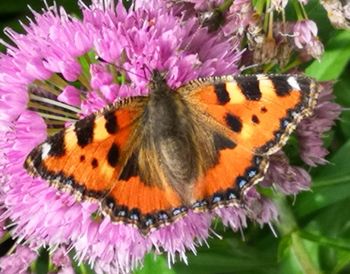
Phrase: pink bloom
[70,95]
[305,37]
[286,178]
[311,129]
[17,262]
[305,31]
[60,46]
[73,64]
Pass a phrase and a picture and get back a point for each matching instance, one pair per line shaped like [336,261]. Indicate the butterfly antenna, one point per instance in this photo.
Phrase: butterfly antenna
[244,68]
[123,69]
[145,67]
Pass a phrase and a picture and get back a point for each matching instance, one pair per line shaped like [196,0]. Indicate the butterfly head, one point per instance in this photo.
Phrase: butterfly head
[158,82]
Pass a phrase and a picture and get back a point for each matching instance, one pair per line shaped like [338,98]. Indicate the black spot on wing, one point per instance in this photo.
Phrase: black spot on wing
[57,144]
[82,158]
[84,129]
[282,88]
[263,110]
[111,122]
[249,86]
[255,119]
[233,122]
[94,163]
[221,93]
[222,142]
[113,155]
[130,169]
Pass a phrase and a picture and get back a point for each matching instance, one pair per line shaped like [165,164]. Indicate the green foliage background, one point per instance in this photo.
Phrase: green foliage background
[314,228]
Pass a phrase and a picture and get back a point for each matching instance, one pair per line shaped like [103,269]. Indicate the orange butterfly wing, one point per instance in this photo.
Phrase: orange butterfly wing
[259,113]
[93,159]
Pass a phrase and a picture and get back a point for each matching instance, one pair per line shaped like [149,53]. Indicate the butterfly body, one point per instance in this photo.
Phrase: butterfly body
[150,159]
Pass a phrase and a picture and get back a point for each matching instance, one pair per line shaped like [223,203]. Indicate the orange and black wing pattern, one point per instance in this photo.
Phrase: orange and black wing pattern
[258,113]
[95,159]
[233,123]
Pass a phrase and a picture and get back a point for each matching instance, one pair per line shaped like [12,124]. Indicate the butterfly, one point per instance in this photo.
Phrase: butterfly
[148,160]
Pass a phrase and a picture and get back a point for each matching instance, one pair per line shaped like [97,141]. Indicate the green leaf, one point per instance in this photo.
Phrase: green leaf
[340,244]
[301,257]
[41,265]
[342,94]
[330,185]
[232,255]
[334,60]
[155,264]
[343,261]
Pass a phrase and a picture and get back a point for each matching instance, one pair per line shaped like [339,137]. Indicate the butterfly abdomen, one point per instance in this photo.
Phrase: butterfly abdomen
[171,142]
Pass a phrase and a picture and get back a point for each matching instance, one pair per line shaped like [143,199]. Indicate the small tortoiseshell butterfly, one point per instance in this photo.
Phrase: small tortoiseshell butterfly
[149,159]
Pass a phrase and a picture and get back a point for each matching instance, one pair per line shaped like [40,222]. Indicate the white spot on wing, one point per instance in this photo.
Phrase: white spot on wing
[262,77]
[45,149]
[293,83]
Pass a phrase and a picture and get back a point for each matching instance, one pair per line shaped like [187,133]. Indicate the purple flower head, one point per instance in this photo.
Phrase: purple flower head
[60,257]
[347,11]
[64,68]
[232,21]
[310,130]
[18,262]
[305,37]
[286,178]
[338,13]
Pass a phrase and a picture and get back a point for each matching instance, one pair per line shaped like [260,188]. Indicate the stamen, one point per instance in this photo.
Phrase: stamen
[273,230]
[53,102]
[45,86]
[50,109]
[57,81]
[84,80]
[55,117]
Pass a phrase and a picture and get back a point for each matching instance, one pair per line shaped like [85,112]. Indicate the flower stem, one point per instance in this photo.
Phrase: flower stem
[298,10]
[225,6]
[288,226]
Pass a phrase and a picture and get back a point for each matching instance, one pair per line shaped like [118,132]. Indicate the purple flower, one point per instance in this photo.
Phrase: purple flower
[64,68]
[18,262]
[305,37]
[338,13]
[62,262]
[286,178]
[311,129]
[232,21]
[65,62]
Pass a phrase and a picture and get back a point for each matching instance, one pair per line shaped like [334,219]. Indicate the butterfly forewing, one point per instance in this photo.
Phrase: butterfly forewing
[258,112]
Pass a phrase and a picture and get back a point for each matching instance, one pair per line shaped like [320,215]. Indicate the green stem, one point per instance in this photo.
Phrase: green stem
[259,6]
[288,226]
[57,81]
[293,64]
[298,9]
[5,237]
[225,6]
